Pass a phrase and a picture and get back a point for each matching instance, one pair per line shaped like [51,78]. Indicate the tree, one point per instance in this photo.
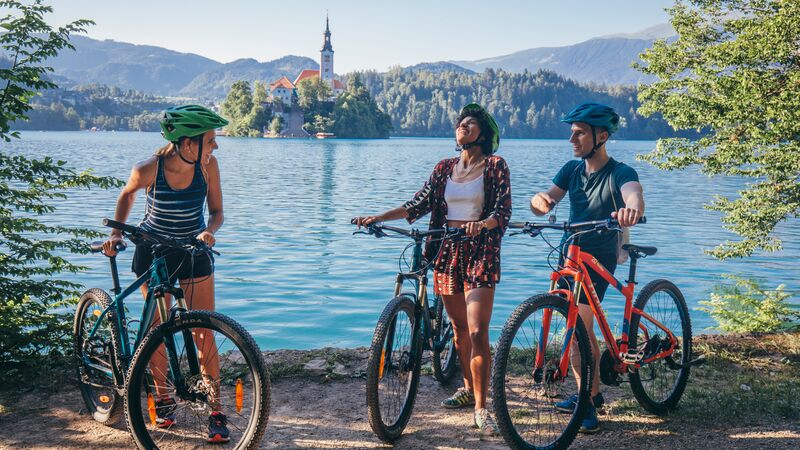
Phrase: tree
[734,73]
[33,330]
[356,115]
[276,126]
[236,107]
[311,93]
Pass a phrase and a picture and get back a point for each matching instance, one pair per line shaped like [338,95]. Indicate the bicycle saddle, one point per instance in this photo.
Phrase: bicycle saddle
[639,250]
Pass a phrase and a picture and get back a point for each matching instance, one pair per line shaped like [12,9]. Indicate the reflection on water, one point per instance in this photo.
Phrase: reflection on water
[293,274]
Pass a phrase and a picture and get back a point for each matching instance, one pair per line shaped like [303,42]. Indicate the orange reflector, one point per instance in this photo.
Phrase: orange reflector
[383,360]
[104,399]
[239,395]
[151,408]
[97,312]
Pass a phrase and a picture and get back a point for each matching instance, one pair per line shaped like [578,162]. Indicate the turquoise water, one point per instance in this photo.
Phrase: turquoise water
[295,277]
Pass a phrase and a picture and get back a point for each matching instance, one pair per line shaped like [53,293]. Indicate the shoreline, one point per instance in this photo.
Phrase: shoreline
[743,397]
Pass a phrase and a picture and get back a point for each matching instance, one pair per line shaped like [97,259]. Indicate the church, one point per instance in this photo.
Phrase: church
[286,90]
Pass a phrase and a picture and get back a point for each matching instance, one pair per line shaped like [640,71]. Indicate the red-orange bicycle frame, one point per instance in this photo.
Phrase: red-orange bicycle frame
[575,267]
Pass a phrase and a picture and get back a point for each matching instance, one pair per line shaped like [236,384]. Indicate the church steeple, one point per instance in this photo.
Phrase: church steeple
[326,44]
[326,56]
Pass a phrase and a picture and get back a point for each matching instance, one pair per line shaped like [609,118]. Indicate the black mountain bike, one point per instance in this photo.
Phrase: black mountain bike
[174,359]
[408,326]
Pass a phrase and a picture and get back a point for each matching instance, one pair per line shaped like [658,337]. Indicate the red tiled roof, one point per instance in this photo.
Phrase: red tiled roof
[306,74]
[282,82]
[337,84]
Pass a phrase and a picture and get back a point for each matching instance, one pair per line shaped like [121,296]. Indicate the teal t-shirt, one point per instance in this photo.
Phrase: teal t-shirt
[590,198]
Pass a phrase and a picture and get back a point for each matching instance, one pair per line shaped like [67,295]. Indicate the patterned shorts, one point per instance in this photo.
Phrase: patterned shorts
[462,271]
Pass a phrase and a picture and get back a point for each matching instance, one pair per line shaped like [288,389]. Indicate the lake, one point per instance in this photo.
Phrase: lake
[293,274]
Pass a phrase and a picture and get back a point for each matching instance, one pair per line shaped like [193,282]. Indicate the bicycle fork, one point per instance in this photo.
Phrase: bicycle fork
[183,389]
[539,373]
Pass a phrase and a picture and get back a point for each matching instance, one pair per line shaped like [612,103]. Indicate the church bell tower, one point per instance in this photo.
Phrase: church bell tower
[326,57]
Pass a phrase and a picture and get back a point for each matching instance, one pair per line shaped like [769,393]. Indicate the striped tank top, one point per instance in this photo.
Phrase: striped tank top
[172,212]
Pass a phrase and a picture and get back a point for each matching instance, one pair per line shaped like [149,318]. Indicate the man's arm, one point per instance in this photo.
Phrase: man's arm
[633,196]
[543,202]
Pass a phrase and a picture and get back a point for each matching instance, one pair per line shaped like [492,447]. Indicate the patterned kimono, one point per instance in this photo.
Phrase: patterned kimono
[478,259]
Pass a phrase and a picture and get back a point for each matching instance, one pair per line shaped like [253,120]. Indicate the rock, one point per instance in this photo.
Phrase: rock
[316,367]
[340,370]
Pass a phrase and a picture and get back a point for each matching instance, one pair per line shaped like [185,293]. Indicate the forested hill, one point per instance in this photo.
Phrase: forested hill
[525,105]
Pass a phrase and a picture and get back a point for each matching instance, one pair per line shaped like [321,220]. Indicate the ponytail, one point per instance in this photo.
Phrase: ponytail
[166,150]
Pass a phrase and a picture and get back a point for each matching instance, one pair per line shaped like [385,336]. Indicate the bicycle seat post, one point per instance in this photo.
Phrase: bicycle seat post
[632,271]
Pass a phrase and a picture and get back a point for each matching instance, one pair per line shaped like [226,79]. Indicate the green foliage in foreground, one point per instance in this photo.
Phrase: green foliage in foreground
[32,332]
[734,72]
[745,307]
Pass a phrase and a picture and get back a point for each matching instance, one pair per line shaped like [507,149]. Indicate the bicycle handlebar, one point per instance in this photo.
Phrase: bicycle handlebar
[599,225]
[376,229]
[137,232]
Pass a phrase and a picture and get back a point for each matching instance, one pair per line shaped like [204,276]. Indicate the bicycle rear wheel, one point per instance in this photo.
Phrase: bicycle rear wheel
[524,396]
[393,368]
[240,390]
[659,385]
[97,358]
[445,359]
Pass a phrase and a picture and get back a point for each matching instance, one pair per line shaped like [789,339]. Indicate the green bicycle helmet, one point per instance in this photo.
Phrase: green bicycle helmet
[189,121]
[486,121]
[596,115]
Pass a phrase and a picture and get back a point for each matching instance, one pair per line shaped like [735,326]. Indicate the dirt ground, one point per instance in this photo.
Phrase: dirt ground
[310,413]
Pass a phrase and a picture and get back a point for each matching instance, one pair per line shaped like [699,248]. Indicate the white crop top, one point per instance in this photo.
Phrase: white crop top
[464,200]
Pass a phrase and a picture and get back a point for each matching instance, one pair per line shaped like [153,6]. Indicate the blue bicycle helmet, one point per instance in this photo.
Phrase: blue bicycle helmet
[596,116]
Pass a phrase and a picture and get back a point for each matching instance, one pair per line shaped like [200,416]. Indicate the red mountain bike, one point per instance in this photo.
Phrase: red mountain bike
[532,364]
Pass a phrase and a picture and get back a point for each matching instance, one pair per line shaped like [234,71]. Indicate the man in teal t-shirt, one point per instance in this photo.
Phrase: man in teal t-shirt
[599,187]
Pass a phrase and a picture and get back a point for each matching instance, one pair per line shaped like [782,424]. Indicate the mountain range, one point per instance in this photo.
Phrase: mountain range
[161,71]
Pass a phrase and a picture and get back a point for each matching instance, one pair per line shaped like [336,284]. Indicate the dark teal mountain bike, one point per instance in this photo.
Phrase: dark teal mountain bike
[408,326]
[174,360]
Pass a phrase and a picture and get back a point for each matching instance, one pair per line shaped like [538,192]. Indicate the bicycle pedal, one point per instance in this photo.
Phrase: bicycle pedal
[631,357]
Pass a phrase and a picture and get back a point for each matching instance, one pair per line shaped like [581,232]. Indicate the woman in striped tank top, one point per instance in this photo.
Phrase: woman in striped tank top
[179,180]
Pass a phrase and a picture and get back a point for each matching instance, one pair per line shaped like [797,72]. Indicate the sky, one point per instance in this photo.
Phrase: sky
[373,34]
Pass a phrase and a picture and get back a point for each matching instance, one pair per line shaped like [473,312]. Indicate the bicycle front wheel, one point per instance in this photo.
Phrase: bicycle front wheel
[445,357]
[393,368]
[659,385]
[199,364]
[526,392]
[97,356]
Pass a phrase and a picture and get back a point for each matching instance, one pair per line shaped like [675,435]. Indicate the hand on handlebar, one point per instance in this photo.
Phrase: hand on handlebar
[111,245]
[365,220]
[207,238]
[473,229]
[627,217]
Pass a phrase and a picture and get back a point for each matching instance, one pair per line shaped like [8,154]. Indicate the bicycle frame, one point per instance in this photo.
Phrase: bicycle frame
[576,264]
[420,282]
[158,285]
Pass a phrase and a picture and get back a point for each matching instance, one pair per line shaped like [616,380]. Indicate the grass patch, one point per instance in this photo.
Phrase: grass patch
[747,380]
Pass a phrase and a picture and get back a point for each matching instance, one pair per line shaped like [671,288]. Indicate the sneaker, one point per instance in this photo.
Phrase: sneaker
[590,424]
[568,405]
[460,399]
[218,428]
[165,412]
[485,423]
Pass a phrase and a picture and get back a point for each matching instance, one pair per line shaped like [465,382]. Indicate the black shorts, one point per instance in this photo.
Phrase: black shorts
[180,264]
[609,261]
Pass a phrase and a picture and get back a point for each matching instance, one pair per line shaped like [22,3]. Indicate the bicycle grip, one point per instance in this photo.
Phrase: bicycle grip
[120,226]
